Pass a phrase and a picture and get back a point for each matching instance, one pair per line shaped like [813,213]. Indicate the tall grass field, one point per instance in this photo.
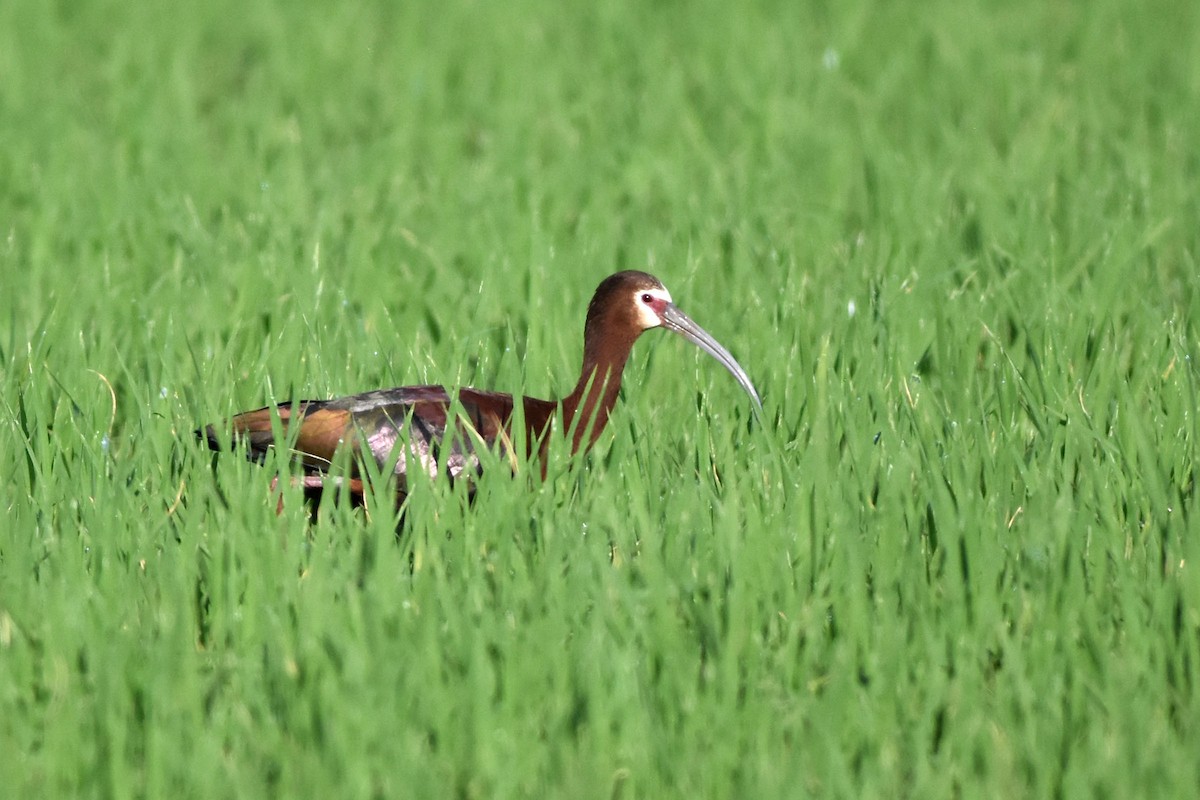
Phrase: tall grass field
[955,245]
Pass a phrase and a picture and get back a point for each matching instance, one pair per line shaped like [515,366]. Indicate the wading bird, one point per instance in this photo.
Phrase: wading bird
[416,418]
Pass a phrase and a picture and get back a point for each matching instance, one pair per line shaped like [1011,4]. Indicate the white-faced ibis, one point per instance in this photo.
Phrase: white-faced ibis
[371,424]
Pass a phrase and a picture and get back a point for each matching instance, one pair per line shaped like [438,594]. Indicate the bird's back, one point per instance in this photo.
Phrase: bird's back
[374,423]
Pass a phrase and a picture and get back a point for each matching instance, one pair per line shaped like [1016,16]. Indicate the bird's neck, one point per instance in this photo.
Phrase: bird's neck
[586,409]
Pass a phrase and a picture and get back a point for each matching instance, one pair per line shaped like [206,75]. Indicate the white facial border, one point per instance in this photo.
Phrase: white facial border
[648,314]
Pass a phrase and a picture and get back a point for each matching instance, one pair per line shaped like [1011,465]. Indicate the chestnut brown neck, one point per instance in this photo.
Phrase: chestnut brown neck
[607,341]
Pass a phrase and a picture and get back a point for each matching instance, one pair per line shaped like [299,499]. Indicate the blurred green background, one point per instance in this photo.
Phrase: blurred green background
[954,244]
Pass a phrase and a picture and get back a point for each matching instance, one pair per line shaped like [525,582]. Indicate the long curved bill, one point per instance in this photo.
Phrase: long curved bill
[675,320]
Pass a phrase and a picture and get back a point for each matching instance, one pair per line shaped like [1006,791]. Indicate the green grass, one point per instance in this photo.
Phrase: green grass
[959,558]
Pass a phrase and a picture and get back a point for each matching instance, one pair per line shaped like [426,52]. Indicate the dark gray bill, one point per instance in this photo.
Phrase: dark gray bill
[675,320]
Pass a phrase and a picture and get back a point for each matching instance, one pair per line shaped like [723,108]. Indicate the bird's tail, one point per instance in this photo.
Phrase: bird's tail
[251,429]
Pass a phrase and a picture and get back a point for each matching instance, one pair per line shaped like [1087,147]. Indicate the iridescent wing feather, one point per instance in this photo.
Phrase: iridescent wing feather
[400,429]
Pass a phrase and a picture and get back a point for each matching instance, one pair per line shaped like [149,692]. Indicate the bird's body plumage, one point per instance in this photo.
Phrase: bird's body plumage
[371,424]
[426,420]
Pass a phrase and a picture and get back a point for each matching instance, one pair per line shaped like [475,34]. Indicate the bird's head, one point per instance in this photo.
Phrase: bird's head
[628,303]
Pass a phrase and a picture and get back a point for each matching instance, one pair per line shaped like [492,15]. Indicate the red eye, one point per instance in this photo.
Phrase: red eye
[647,298]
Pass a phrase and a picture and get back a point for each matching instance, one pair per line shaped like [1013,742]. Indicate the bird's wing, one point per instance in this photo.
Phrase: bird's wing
[375,422]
